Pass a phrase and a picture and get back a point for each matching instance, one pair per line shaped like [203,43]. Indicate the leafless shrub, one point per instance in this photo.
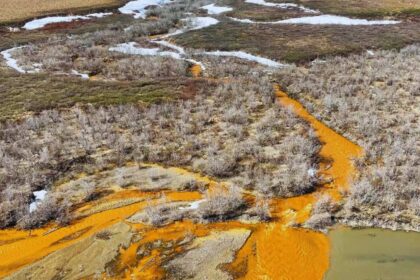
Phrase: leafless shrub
[367,99]
[221,204]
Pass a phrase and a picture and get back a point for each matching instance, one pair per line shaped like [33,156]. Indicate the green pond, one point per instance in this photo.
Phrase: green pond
[374,254]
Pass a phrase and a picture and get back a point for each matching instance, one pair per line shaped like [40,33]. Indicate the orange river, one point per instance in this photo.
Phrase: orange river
[274,250]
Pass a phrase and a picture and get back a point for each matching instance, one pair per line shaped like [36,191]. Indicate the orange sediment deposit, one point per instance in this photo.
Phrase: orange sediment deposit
[335,147]
[196,70]
[274,250]
[19,248]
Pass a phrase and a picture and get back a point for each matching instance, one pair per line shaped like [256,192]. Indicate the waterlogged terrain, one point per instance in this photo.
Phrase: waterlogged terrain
[272,250]
[374,254]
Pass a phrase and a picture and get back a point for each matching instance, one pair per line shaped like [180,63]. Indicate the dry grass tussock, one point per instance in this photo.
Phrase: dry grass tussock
[374,101]
[18,10]
[232,130]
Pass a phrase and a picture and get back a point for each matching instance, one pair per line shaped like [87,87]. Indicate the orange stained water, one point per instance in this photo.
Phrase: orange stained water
[273,251]
[19,248]
[276,251]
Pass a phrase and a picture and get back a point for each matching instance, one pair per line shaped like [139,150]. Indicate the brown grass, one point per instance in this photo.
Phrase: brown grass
[20,10]
[371,8]
[299,43]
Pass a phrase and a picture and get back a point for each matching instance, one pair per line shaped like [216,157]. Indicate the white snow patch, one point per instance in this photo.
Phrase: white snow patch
[193,206]
[39,197]
[193,61]
[247,56]
[281,5]
[212,9]
[193,23]
[13,63]
[81,75]
[13,29]
[99,15]
[170,45]
[42,22]
[201,22]
[312,172]
[10,61]
[130,48]
[243,20]
[322,20]
[138,8]
[336,20]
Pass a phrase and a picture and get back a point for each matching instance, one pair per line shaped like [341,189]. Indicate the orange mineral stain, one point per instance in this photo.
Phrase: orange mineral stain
[196,70]
[274,250]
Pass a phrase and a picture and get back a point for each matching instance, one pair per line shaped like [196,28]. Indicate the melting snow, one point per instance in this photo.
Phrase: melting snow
[194,205]
[337,20]
[246,56]
[201,22]
[10,61]
[370,52]
[138,8]
[281,5]
[312,172]
[39,197]
[81,75]
[170,45]
[42,22]
[130,48]
[194,23]
[322,20]
[216,10]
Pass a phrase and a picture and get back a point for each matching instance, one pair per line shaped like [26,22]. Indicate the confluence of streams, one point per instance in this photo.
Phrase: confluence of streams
[273,251]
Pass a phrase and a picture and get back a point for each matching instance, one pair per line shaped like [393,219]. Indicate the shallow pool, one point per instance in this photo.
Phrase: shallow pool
[374,254]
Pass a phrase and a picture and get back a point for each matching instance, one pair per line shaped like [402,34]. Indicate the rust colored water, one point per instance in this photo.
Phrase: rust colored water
[276,251]
[19,248]
[273,251]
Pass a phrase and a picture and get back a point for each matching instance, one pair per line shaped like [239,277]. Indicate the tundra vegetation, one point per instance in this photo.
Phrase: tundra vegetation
[372,99]
[232,130]
[19,10]
[225,125]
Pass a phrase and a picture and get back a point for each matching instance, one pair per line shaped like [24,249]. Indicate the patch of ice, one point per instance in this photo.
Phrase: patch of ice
[39,197]
[130,48]
[42,22]
[81,75]
[247,56]
[281,5]
[138,8]
[212,9]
